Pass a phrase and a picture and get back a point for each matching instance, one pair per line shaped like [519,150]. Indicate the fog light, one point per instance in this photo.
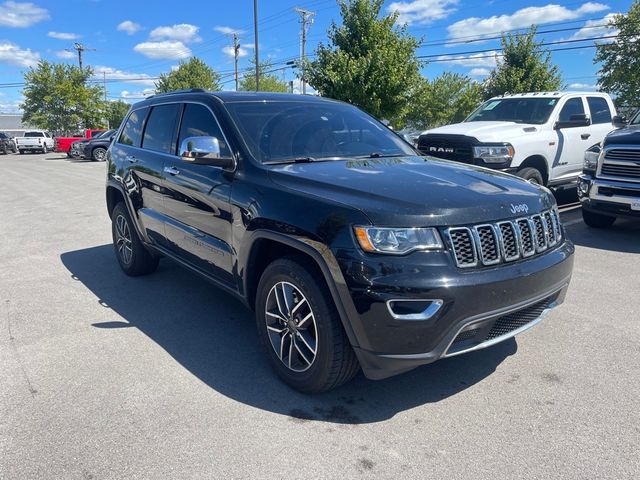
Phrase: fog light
[584,188]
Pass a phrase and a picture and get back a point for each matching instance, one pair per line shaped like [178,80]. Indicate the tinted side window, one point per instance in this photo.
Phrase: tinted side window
[573,106]
[160,132]
[198,121]
[600,112]
[132,131]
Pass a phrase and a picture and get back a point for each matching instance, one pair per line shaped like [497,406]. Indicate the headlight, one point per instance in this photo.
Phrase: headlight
[397,241]
[494,153]
[591,157]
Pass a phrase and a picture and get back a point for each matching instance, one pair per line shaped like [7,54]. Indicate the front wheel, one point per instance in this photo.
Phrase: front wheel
[98,154]
[596,220]
[531,174]
[133,257]
[300,328]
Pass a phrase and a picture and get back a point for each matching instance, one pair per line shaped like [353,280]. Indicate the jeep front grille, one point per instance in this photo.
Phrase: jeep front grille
[507,241]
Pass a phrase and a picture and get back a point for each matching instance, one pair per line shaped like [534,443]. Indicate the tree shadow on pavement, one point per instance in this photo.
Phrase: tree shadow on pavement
[213,335]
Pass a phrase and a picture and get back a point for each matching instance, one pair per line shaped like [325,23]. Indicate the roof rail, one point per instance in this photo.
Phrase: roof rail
[175,92]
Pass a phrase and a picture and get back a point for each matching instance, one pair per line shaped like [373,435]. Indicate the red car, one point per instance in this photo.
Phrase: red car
[63,144]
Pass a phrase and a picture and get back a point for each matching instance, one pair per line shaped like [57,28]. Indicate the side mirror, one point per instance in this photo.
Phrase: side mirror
[204,151]
[579,120]
[619,121]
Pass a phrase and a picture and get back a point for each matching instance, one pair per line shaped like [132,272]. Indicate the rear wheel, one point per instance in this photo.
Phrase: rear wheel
[597,220]
[300,328]
[5,150]
[98,154]
[133,257]
[531,174]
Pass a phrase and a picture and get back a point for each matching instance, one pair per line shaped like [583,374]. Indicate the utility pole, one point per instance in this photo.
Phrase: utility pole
[80,48]
[236,55]
[255,29]
[306,19]
[104,85]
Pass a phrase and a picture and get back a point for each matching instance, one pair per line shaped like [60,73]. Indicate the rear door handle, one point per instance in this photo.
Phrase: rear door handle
[171,170]
[585,136]
[131,159]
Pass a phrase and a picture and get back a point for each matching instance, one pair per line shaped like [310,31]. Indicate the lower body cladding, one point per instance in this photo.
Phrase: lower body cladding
[609,197]
[417,309]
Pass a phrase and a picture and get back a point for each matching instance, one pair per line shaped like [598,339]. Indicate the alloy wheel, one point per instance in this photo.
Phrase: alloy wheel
[291,326]
[123,239]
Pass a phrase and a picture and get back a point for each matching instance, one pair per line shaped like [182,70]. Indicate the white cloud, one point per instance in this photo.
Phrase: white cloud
[582,86]
[487,59]
[21,14]
[63,36]
[597,28]
[243,51]
[479,72]
[129,27]
[183,32]
[522,18]
[422,11]
[228,30]
[162,50]
[65,54]
[139,95]
[110,73]
[12,54]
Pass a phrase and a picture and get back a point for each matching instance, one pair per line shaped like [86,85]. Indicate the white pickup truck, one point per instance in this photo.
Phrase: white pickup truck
[35,141]
[541,137]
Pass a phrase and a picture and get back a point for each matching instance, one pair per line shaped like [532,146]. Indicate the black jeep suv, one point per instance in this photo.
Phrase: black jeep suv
[353,250]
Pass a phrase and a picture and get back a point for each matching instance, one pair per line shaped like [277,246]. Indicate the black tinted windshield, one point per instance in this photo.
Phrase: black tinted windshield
[518,110]
[34,134]
[105,134]
[280,131]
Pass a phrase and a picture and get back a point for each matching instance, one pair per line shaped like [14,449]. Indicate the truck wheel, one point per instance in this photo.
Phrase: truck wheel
[98,154]
[5,150]
[21,151]
[44,148]
[300,328]
[531,174]
[133,257]
[596,220]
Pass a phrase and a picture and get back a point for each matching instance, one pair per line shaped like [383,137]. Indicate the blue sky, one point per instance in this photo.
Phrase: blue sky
[135,41]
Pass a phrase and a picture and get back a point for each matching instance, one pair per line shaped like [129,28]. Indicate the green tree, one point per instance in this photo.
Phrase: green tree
[369,61]
[116,112]
[446,99]
[57,97]
[269,81]
[525,67]
[620,60]
[191,74]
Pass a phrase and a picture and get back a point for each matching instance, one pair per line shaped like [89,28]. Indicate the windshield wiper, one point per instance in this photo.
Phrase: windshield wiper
[294,160]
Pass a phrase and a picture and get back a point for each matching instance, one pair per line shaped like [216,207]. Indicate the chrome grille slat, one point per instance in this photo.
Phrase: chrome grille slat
[621,163]
[505,241]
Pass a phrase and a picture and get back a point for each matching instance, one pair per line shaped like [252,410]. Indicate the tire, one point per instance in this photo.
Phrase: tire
[133,257]
[320,357]
[21,152]
[596,220]
[44,148]
[5,150]
[14,149]
[531,174]
[98,154]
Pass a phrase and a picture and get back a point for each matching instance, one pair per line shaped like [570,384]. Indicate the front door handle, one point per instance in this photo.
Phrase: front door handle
[171,170]
[585,136]
[131,159]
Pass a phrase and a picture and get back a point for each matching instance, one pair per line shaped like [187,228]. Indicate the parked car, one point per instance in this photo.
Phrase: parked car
[353,250]
[35,141]
[540,137]
[77,147]
[63,144]
[7,144]
[96,148]
[609,186]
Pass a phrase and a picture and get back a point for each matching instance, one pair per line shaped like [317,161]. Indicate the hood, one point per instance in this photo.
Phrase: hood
[624,136]
[416,191]
[487,131]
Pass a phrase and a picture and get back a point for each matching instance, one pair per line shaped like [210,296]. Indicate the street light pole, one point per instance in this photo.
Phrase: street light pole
[255,28]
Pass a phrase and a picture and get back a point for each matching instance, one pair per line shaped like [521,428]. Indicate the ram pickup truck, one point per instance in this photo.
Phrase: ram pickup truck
[609,186]
[35,141]
[353,250]
[63,144]
[540,137]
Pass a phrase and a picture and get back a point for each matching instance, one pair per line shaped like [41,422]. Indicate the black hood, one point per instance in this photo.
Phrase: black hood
[624,136]
[417,191]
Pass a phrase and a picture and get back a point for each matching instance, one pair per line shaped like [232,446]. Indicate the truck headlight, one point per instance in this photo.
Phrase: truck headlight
[397,241]
[494,153]
[591,157]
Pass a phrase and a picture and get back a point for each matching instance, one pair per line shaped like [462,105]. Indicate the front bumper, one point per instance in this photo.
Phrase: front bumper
[475,304]
[609,197]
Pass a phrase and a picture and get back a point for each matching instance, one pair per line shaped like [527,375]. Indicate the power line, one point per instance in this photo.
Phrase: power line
[306,19]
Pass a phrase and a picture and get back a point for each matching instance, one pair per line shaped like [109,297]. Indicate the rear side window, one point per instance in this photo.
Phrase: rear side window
[198,121]
[132,131]
[600,112]
[160,132]
[574,106]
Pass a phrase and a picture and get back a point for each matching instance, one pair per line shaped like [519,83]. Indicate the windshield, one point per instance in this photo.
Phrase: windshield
[518,110]
[281,131]
[104,134]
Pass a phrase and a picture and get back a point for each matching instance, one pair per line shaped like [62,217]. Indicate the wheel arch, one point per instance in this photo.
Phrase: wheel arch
[539,162]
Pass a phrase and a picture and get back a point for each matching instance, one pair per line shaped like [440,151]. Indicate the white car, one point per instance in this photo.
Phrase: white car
[540,137]
[35,141]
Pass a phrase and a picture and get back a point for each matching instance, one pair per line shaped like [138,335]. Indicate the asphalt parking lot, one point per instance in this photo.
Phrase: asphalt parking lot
[105,376]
